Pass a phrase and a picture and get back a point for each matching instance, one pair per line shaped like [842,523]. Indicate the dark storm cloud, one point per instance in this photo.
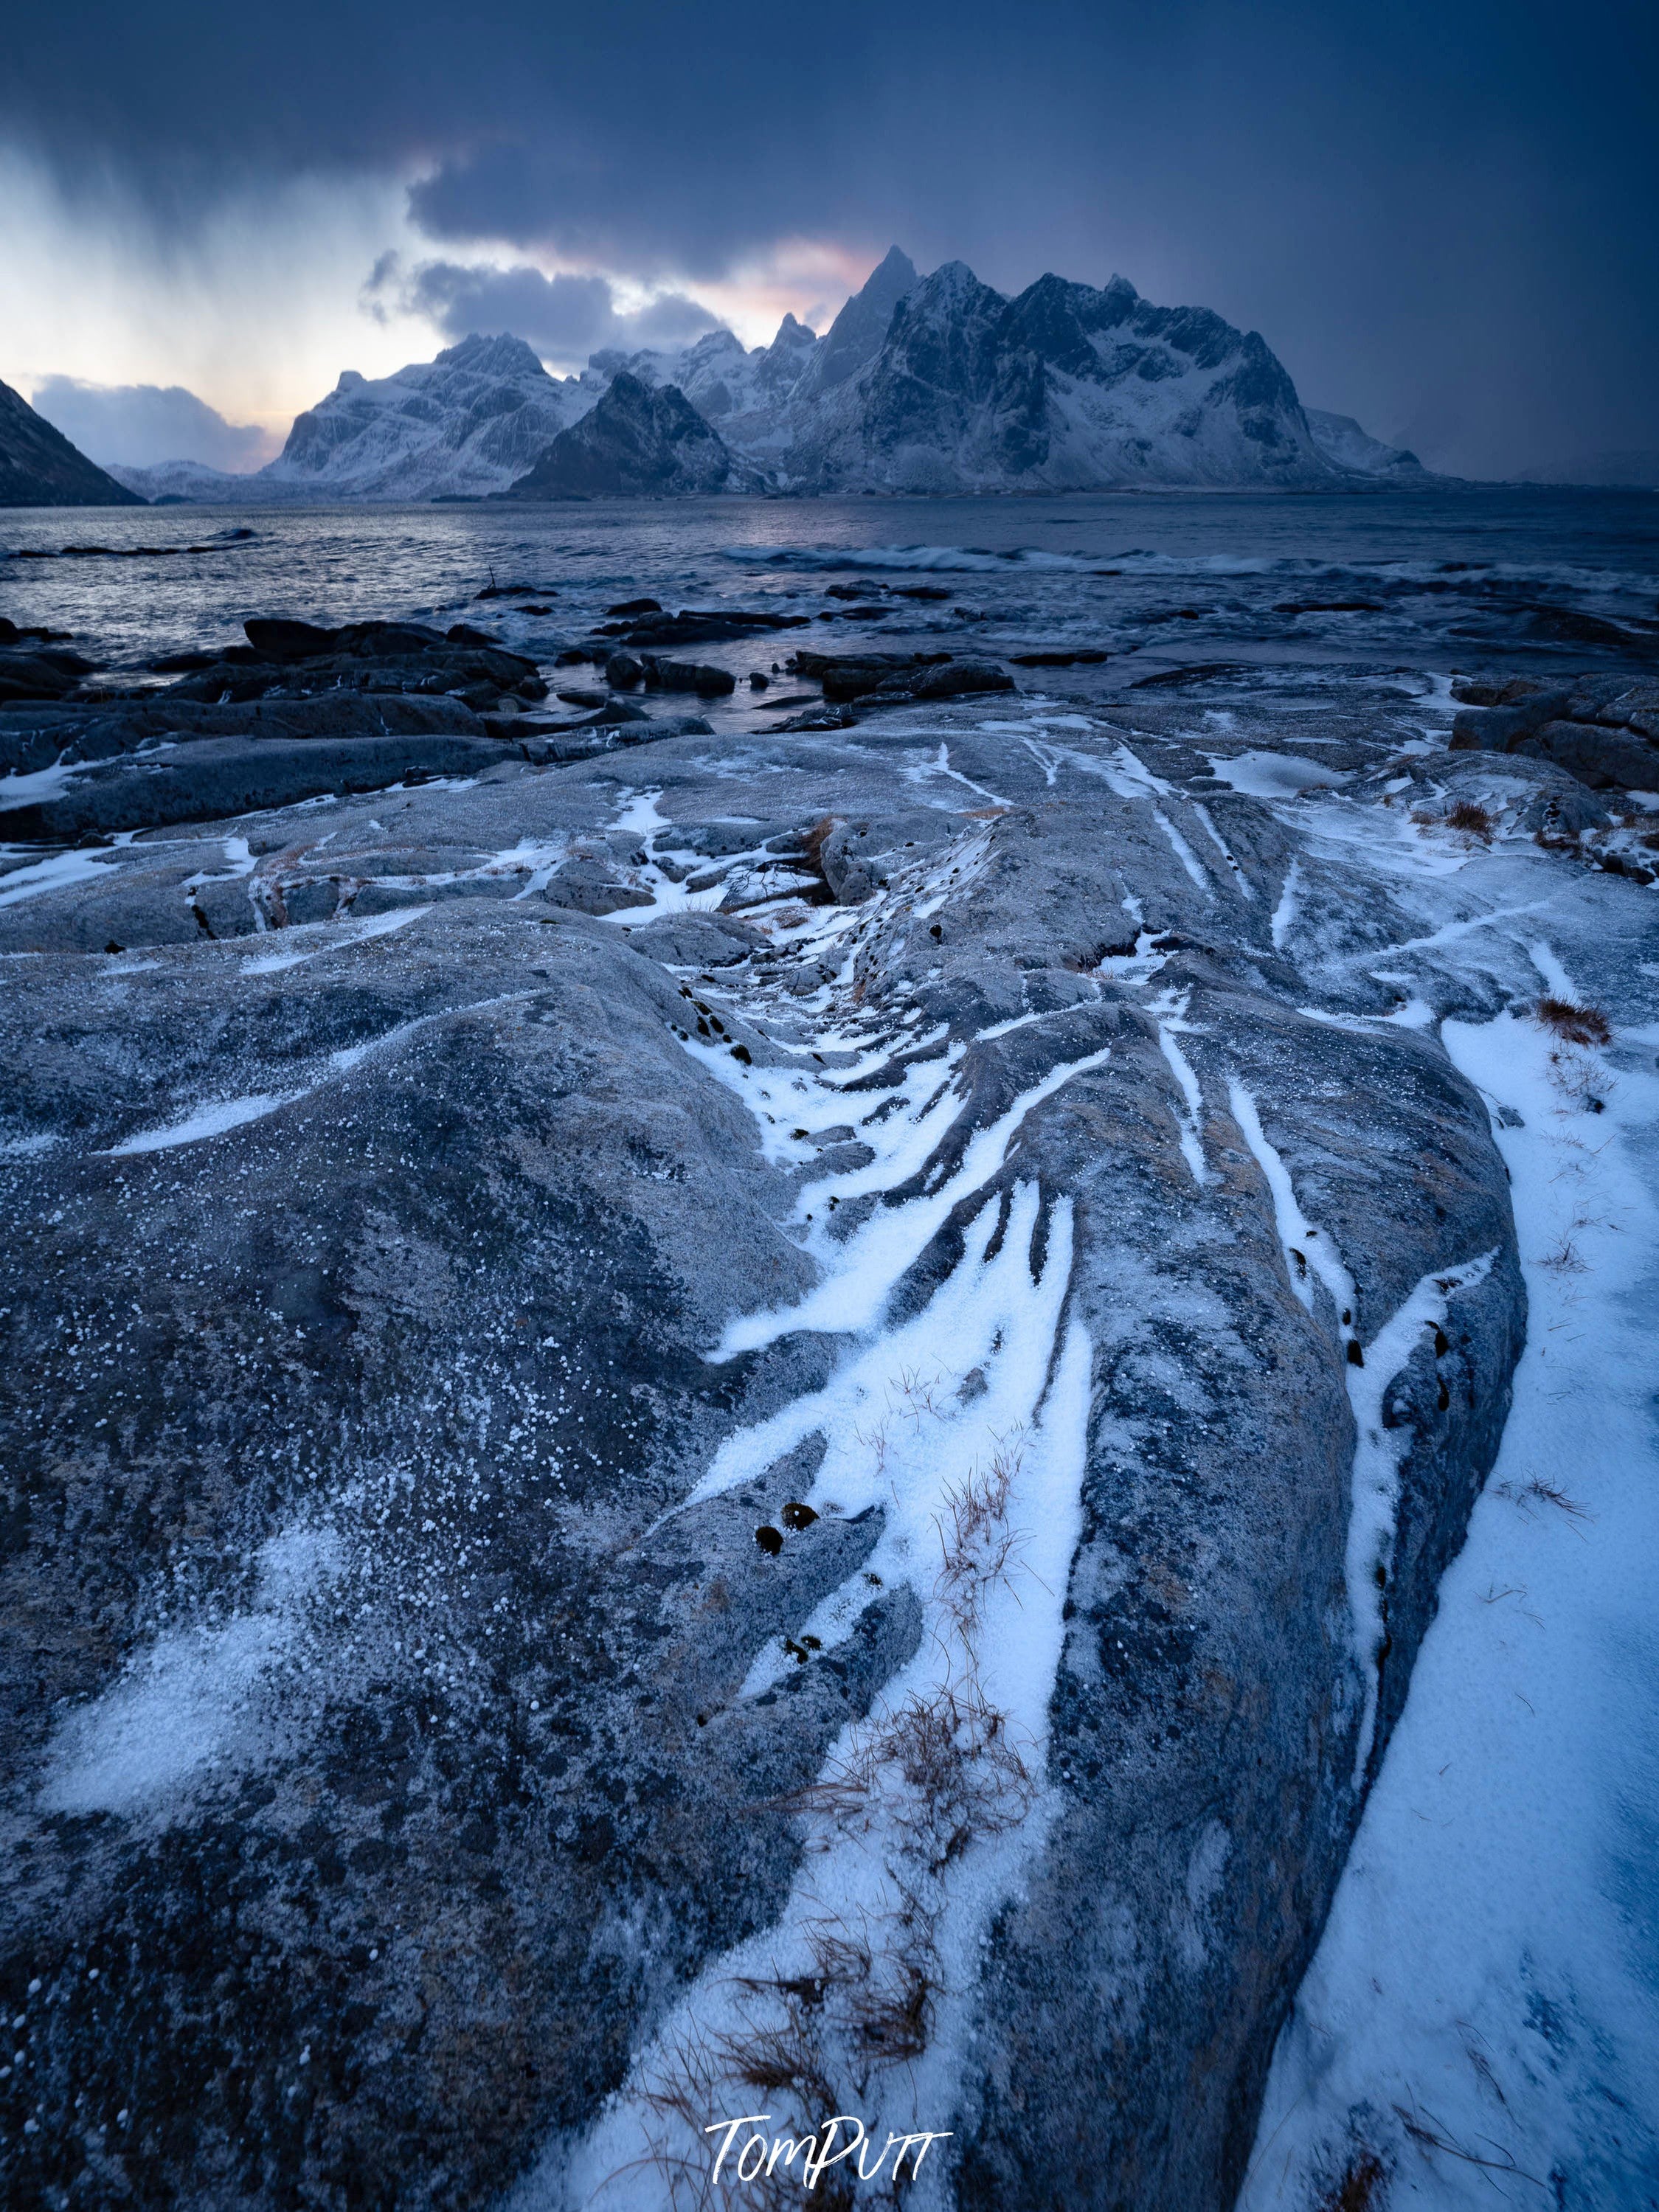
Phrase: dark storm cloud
[1440,214]
[136,425]
[565,318]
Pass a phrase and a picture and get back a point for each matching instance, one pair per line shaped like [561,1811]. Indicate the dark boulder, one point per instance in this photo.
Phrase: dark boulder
[1604,729]
[961,678]
[701,626]
[10,634]
[298,659]
[688,676]
[809,662]
[946,679]
[854,679]
[614,711]
[276,637]
[41,673]
[821,718]
[1605,759]
[394,641]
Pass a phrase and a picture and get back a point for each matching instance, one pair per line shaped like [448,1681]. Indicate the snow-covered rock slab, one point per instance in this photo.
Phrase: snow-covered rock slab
[765,1426]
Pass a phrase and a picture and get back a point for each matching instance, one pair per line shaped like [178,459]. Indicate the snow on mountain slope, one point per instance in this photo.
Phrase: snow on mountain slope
[1342,441]
[855,337]
[937,384]
[943,385]
[721,378]
[199,485]
[1065,388]
[638,442]
[470,422]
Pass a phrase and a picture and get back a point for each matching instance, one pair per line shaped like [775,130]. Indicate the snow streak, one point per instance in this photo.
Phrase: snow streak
[965,1426]
[1312,1258]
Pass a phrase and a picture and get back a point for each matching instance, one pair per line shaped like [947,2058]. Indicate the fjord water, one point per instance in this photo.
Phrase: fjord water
[1521,578]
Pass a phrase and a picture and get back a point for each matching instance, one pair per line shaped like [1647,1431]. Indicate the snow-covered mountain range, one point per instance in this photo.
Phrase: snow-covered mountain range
[922,384]
[939,384]
[468,424]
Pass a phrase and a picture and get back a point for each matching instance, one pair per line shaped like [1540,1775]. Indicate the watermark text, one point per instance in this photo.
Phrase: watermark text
[839,2139]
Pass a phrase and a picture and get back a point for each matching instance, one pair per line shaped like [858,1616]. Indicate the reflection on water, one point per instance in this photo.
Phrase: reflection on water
[1456,578]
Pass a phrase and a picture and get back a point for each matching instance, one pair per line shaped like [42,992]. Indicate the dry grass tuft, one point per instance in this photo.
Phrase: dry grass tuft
[694,2084]
[1563,1258]
[878,1443]
[1469,816]
[922,1396]
[978,1547]
[1363,2188]
[895,2024]
[1573,1025]
[943,1765]
[1424,2130]
[1549,1493]
[810,2044]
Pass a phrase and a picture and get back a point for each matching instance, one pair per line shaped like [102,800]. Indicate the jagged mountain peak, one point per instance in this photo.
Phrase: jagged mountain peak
[639,439]
[501,354]
[895,272]
[950,279]
[714,343]
[469,422]
[941,343]
[1068,386]
[855,336]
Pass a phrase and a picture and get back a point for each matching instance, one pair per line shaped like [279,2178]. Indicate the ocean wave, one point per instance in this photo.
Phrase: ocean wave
[971,559]
[1475,575]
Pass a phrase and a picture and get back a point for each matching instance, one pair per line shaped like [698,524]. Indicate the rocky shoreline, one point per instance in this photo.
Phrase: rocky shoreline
[564,1270]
